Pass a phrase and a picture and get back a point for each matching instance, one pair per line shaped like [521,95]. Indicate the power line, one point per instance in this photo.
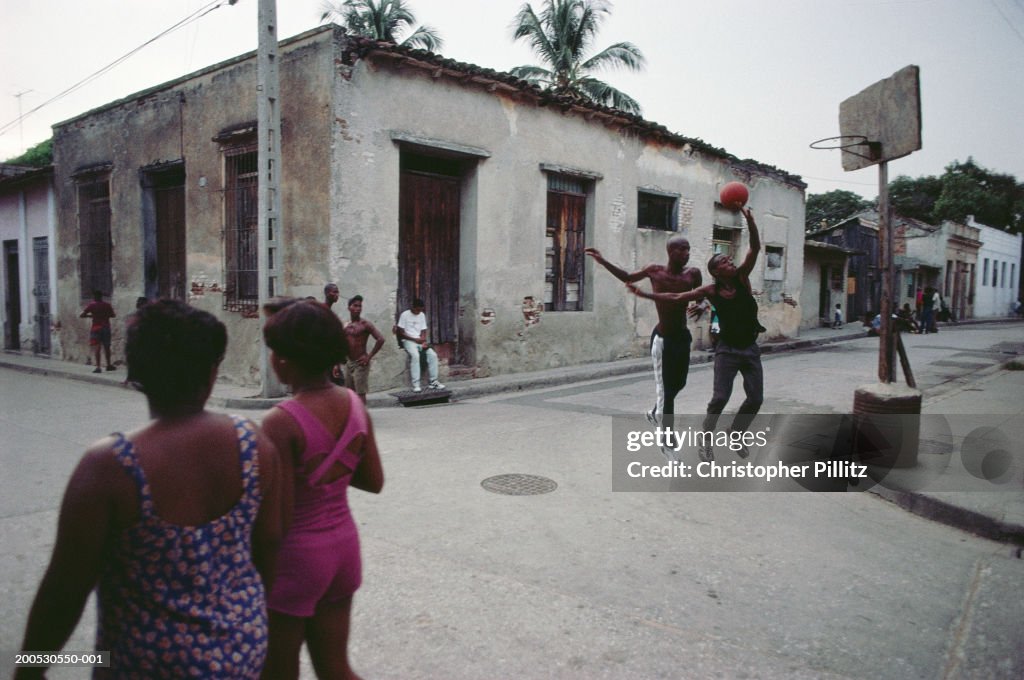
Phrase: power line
[1007,20]
[195,16]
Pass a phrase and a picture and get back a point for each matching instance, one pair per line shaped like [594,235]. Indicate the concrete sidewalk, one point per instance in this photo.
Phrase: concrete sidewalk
[984,411]
[226,395]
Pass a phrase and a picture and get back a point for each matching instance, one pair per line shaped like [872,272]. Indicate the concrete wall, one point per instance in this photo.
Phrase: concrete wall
[27,213]
[345,123]
[504,210]
[176,123]
[1002,250]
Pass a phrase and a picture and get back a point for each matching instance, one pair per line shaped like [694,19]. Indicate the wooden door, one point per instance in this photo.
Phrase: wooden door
[428,250]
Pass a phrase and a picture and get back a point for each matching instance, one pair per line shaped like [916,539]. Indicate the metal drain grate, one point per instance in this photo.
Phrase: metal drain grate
[519,485]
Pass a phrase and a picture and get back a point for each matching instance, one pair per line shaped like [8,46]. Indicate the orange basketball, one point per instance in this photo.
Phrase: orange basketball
[734,195]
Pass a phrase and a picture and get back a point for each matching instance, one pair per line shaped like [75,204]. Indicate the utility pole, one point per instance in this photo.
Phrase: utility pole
[268,126]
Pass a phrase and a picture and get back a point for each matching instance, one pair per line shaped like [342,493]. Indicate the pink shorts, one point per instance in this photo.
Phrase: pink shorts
[314,568]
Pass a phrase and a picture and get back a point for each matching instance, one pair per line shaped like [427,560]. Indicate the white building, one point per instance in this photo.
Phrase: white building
[998,271]
[27,227]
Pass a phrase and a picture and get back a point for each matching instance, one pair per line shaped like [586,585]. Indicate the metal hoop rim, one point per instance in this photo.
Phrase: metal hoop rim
[858,140]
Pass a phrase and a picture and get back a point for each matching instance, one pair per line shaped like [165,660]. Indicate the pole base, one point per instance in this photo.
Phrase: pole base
[886,425]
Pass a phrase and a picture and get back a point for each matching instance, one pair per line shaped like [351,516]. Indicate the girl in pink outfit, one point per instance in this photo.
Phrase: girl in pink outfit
[325,439]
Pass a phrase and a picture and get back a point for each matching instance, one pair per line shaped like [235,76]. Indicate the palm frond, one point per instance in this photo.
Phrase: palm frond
[561,36]
[536,75]
[425,38]
[602,93]
[528,25]
[620,55]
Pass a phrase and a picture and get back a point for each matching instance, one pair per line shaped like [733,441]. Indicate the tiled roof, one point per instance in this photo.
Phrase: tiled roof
[439,66]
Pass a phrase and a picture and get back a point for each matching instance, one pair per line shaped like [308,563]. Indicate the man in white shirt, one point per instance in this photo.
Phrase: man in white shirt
[412,333]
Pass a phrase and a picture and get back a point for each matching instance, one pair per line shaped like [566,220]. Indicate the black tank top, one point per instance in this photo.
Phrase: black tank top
[737,317]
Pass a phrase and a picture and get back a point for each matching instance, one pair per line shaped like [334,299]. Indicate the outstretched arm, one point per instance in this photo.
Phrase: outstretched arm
[687,296]
[617,272]
[747,265]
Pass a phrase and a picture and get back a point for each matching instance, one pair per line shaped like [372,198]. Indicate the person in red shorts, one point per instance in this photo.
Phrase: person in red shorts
[99,335]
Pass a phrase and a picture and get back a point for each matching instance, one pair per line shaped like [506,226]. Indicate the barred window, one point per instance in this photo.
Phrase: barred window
[241,216]
[565,235]
[95,247]
[656,211]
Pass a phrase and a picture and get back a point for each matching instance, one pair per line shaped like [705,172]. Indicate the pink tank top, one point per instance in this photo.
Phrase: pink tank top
[325,506]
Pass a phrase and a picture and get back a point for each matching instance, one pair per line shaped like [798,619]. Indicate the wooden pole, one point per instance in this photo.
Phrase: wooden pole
[887,346]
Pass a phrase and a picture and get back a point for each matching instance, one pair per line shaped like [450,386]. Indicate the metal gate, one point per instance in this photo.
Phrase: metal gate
[41,291]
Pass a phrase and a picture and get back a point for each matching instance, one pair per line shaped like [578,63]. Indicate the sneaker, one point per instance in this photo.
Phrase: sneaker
[743,452]
[97,370]
[706,453]
[111,368]
[417,389]
[669,453]
[434,385]
[652,416]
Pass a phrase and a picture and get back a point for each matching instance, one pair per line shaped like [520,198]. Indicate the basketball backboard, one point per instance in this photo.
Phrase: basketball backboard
[887,115]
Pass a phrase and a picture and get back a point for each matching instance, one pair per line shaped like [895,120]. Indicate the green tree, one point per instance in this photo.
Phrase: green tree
[39,156]
[915,197]
[562,36]
[832,207]
[382,20]
[968,189]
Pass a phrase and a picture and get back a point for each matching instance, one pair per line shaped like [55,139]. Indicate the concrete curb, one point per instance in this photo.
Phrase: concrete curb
[956,516]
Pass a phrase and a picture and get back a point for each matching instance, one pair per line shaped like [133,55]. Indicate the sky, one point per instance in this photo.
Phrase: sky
[761,79]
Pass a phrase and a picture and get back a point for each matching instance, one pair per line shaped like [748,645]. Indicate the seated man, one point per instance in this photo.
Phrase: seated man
[412,334]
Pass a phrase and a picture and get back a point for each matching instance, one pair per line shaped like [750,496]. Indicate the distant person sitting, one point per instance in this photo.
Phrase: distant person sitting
[905,320]
[99,334]
[874,326]
[411,330]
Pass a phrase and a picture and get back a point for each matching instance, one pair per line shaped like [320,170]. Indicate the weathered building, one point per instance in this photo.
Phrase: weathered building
[826,271]
[27,227]
[997,271]
[863,285]
[919,251]
[962,244]
[405,174]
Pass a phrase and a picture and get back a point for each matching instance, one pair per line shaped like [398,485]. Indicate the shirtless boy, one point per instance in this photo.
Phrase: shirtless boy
[358,330]
[670,341]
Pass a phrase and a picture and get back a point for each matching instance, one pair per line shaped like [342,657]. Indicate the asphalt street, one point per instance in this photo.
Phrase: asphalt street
[583,582]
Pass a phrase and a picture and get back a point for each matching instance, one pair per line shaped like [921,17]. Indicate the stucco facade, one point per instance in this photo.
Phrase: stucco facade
[378,144]
[997,274]
[27,227]
[958,276]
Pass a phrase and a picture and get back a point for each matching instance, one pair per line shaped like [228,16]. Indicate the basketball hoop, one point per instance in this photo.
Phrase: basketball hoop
[846,144]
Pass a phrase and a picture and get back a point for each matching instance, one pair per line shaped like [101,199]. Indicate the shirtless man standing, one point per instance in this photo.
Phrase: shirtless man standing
[358,330]
[670,341]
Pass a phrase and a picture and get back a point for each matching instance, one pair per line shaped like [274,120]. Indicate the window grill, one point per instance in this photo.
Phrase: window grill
[241,217]
[655,211]
[565,234]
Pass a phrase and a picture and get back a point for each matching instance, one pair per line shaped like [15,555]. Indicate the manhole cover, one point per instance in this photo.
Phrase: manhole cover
[519,485]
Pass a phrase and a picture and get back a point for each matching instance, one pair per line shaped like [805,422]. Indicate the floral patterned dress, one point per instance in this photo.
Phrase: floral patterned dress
[178,601]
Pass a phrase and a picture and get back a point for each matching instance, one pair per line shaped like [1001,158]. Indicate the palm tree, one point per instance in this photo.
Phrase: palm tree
[562,36]
[381,20]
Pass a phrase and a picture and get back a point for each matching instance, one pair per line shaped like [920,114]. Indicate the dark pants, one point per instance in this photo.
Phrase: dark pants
[728,362]
[671,357]
[928,320]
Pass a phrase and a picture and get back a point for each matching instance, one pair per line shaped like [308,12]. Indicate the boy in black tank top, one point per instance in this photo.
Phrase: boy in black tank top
[737,350]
